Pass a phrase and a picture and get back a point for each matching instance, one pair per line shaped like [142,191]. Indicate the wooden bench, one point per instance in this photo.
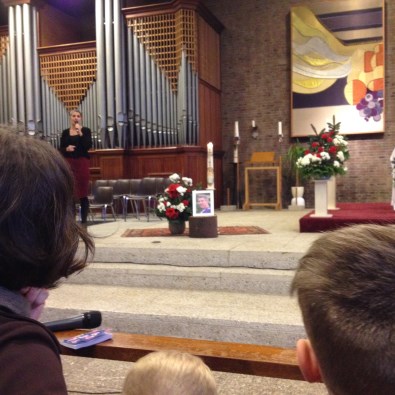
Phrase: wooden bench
[219,356]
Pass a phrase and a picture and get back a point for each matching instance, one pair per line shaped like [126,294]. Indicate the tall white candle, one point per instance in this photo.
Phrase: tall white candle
[210,166]
[253,123]
[237,129]
[280,128]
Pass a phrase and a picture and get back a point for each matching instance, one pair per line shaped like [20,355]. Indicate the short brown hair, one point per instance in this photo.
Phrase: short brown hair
[170,372]
[345,285]
[39,235]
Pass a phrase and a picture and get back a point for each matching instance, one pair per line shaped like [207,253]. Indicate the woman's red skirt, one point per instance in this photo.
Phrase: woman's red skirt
[80,169]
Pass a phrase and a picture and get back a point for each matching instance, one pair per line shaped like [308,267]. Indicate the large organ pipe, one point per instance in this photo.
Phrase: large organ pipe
[4,88]
[130,79]
[36,74]
[154,103]
[101,85]
[44,98]
[137,87]
[160,106]
[164,108]
[20,69]
[7,79]
[147,73]
[13,66]
[109,70]
[28,75]
[143,109]
[168,110]
[119,44]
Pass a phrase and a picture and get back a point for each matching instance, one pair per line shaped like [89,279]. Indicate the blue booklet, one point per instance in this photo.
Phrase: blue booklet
[87,339]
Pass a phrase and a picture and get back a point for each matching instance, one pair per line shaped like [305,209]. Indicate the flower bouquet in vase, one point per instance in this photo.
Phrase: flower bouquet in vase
[175,203]
[324,157]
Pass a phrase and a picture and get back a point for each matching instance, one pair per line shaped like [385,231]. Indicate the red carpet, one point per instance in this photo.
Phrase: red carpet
[349,214]
[222,231]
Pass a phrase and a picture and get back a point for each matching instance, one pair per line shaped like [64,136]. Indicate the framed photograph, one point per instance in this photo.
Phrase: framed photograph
[202,203]
[338,66]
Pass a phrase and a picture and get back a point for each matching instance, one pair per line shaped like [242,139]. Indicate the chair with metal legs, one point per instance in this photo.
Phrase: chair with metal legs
[103,199]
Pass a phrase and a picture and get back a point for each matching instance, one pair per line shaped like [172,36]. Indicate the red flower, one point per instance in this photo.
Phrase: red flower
[329,139]
[307,152]
[315,144]
[324,136]
[172,190]
[321,149]
[332,149]
[172,213]
[185,203]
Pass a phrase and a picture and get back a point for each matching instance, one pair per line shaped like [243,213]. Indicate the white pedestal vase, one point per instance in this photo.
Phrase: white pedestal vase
[321,199]
[297,202]
[332,194]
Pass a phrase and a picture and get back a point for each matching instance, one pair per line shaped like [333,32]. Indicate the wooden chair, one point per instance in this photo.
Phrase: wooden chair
[263,161]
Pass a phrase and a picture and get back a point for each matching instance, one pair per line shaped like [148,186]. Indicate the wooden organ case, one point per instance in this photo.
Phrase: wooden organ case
[174,76]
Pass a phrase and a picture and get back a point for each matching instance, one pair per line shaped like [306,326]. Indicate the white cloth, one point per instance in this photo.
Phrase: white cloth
[392,159]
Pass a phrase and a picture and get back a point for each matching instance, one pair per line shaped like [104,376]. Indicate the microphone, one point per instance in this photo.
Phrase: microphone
[88,320]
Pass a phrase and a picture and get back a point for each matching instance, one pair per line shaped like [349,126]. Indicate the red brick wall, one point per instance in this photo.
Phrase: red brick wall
[255,72]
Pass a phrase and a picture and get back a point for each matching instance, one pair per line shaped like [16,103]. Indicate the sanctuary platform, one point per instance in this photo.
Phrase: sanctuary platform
[229,288]
[349,214]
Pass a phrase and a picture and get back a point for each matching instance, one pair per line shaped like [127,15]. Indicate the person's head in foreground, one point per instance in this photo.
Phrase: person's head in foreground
[39,235]
[345,286]
[169,373]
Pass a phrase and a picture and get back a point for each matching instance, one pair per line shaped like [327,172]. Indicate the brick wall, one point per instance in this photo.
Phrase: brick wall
[255,69]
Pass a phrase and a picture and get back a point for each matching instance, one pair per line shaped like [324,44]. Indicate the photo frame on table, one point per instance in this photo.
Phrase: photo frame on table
[202,202]
[338,66]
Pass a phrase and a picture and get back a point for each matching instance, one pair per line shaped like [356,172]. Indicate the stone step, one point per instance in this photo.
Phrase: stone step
[210,253]
[249,280]
[214,315]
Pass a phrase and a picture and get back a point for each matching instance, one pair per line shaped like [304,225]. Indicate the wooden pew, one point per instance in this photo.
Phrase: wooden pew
[219,356]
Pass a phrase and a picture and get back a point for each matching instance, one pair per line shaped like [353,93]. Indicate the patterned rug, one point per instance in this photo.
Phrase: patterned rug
[222,231]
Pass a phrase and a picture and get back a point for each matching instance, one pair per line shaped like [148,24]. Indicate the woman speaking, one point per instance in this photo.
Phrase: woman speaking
[74,145]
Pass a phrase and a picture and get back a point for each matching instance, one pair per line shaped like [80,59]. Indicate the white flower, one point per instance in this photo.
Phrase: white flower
[187,181]
[325,155]
[180,207]
[315,159]
[304,161]
[174,178]
[161,207]
[340,155]
[181,190]
[336,163]
[339,141]
[168,204]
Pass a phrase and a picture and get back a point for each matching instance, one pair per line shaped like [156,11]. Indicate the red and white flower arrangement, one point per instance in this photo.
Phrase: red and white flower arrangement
[325,155]
[175,203]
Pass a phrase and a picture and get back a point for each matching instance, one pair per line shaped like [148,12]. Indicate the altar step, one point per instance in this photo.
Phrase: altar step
[231,279]
[214,315]
[223,304]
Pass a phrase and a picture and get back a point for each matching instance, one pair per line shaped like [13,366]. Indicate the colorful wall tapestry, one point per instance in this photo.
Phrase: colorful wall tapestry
[338,66]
